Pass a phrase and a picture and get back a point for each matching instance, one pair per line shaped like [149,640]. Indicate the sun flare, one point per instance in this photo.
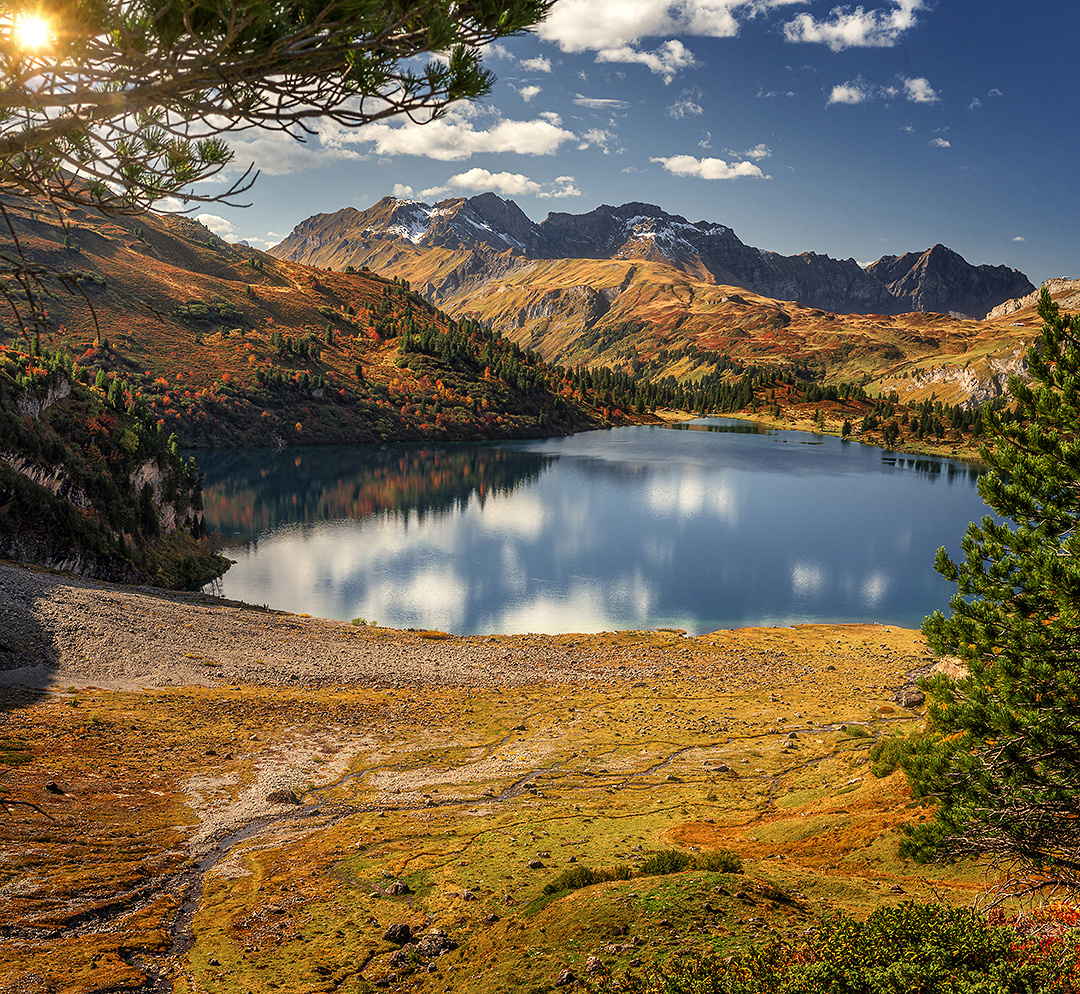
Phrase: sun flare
[31,31]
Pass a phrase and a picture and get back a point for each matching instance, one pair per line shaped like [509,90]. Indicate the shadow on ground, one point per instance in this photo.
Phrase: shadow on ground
[28,655]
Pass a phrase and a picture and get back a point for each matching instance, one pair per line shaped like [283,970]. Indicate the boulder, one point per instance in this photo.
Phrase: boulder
[435,943]
[399,933]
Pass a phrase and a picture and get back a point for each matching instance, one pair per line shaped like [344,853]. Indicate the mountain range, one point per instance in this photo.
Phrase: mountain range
[452,249]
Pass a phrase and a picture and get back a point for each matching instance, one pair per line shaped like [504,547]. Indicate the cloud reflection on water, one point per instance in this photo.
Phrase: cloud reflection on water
[563,535]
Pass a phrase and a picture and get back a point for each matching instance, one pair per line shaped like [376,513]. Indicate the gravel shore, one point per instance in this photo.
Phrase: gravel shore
[59,631]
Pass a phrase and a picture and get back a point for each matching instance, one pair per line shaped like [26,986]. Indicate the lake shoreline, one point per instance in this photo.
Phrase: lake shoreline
[67,632]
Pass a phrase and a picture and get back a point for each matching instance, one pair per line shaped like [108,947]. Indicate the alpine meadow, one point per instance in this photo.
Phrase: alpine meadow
[629,362]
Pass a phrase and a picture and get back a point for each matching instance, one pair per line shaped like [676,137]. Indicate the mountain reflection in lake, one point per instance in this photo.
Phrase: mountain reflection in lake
[631,528]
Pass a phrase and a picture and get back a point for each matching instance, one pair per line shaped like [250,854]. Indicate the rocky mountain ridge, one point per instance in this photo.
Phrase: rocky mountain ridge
[477,239]
[1064,290]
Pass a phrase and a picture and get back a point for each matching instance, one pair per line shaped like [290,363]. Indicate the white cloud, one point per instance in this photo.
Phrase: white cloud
[686,105]
[855,91]
[856,28]
[456,136]
[478,180]
[995,92]
[539,64]
[689,165]
[859,91]
[598,137]
[599,103]
[919,91]
[940,143]
[758,152]
[402,192]
[528,92]
[614,28]
[976,104]
[279,154]
[1019,238]
[263,243]
[562,187]
[666,61]
[594,25]
[218,225]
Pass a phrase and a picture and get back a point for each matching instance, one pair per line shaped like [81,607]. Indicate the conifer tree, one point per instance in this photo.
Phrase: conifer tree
[1002,757]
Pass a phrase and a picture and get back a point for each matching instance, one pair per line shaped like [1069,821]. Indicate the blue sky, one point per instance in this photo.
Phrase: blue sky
[854,131]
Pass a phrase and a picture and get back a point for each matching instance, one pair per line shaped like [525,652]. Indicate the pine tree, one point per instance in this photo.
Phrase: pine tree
[1002,753]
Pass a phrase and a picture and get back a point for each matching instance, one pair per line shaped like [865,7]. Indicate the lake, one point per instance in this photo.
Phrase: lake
[709,524]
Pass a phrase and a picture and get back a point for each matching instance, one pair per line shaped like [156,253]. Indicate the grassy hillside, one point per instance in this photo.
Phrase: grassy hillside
[613,312]
[229,346]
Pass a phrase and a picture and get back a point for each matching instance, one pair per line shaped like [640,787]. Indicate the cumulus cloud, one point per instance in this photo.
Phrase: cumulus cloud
[278,154]
[271,239]
[919,91]
[940,143]
[687,105]
[479,180]
[689,165]
[597,137]
[614,28]
[218,225]
[855,91]
[539,64]
[402,191]
[761,151]
[1019,238]
[593,25]
[856,27]
[666,61]
[915,89]
[528,92]
[457,136]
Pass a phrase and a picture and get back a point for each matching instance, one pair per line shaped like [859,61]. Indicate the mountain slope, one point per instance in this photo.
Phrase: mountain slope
[229,346]
[481,238]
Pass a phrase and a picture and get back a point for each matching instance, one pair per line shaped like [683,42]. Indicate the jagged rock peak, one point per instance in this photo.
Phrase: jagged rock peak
[942,281]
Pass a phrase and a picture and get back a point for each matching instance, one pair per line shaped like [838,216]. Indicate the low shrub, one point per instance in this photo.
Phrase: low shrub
[577,877]
[665,861]
[912,947]
[658,864]
[718,861]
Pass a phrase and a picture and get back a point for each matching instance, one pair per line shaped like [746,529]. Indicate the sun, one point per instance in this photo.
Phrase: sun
[31,31]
